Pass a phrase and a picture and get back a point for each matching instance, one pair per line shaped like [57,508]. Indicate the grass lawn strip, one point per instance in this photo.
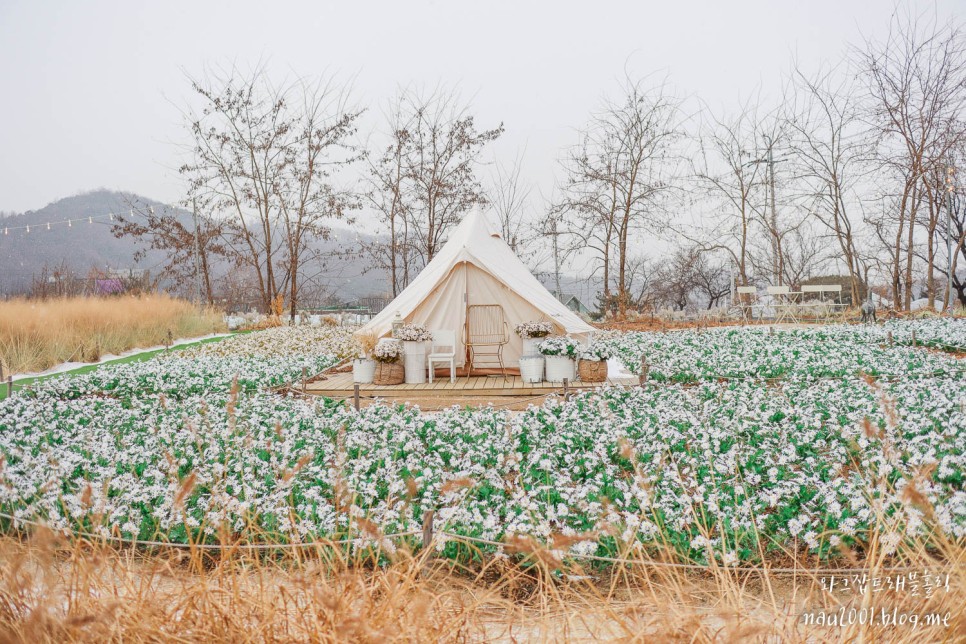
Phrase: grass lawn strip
[140,356]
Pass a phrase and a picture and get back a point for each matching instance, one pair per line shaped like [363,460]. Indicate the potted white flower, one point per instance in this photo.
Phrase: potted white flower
[364,367]
[532,333]
[414,339]
[389,370]
[592,366]
[559,352]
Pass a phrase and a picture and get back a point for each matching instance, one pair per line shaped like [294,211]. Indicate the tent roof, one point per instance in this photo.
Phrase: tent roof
[474,242]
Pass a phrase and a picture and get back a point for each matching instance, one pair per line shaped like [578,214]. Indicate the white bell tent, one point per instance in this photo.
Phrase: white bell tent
[477,267]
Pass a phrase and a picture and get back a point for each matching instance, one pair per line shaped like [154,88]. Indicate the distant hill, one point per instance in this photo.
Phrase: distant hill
[83,245]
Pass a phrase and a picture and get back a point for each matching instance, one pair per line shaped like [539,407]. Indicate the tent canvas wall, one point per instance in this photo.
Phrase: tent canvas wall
[477,267]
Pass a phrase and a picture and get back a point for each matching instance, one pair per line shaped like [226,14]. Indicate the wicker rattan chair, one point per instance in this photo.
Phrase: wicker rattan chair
[485,335]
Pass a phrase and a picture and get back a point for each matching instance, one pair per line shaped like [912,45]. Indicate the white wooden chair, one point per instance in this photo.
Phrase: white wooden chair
[836,306]
[827,299]
[443,350]
[813,300]
[785,307]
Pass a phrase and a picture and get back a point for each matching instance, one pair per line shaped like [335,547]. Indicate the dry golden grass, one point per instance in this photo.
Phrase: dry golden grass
[53,590]
[38,334]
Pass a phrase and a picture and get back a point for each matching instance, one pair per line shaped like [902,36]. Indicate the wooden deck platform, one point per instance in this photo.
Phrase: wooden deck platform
[511,392]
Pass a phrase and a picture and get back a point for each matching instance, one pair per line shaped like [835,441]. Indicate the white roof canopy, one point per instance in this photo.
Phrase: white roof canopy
[477,267]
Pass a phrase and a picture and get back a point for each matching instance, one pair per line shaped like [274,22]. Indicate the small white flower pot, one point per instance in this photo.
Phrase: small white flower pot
[414,361]
[530,346]
[531,368]
[560,367]
[363,370]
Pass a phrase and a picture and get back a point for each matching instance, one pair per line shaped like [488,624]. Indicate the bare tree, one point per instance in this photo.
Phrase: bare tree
[390,195]
[189,252]
[441,158]
[728,170]
[264,158]
[509,197]
[620,172]
[640,283]
[917,90]
[587,212]
[805,252]
[424,180]
[676,279]
[958,245]
[711,278]
[934,191]
[948,207]
[829,146]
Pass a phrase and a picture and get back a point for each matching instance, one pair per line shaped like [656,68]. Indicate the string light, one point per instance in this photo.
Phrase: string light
[50,225]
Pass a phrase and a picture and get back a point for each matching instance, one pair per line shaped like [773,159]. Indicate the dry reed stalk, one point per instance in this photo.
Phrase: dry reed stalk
[54,590]
[38,334]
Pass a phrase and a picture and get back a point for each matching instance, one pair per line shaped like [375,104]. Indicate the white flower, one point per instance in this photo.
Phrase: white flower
[534,329]
[890,541]
[413,333]
[388,350]
[559,345]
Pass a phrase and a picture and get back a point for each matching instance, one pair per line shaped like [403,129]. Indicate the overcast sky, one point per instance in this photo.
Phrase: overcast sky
[91,90]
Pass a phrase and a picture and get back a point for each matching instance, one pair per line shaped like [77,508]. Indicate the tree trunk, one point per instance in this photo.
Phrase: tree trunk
[293,292]
[622,266]
[206,275]
[897,254]
[393,249]
[910,255]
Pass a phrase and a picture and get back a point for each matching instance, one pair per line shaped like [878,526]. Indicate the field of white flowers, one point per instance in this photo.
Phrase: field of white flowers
[742,444]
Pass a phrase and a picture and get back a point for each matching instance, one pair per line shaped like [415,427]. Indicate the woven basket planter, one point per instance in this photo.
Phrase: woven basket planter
[592,370]
[389,373]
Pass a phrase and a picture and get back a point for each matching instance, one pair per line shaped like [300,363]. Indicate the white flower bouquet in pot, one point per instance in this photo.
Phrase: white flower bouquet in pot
[389,370]
[414,338]
[559,351]
[413,333]
[592,366]
[532,333]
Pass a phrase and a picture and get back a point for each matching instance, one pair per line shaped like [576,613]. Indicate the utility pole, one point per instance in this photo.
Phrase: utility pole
[775,243]
[556,255]
[769,160]
[194,213]
[950,171]
[732,282]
